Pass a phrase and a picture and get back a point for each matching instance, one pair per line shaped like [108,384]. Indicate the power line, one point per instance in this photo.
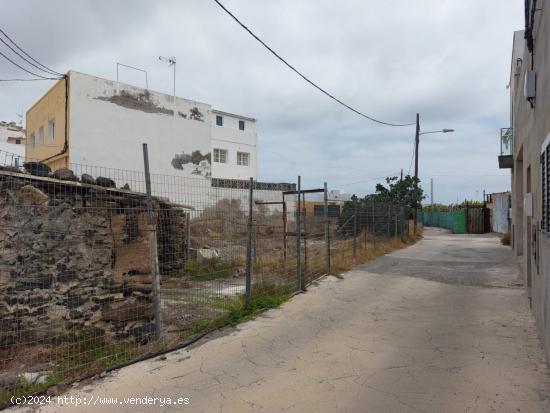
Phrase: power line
[30,80]
[45,68]
[21,67]
[25,59]
[306,78]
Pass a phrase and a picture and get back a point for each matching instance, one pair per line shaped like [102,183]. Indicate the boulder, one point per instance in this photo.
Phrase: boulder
[64,174]
[37,168]
[29,195]
[87,179]
[105,182]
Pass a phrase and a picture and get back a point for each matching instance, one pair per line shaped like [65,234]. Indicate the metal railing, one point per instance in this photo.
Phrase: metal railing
[506,141]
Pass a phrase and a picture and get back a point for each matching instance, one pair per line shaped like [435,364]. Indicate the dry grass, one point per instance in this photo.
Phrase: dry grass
[343,259]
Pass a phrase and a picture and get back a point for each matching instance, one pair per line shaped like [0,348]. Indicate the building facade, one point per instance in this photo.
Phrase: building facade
[12,143]
[525,150]
[87,120]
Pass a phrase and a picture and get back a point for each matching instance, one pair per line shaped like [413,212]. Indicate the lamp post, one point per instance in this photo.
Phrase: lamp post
[416,145]
[171,62]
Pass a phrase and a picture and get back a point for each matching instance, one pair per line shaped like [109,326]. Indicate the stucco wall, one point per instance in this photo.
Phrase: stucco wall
[531,126]
[230,138]
[110,122]
[50,107]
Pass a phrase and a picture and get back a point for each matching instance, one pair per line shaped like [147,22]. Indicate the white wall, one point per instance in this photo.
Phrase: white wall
[230,138]
[109,121]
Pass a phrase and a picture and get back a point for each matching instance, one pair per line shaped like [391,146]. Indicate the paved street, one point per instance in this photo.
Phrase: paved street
[441,326]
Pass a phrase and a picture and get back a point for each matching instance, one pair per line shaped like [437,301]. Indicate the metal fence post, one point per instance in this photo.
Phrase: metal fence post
[396,218]
[373,227]
[153,253]
[354,226]
[327,240]
[188,235]
[248,270]
[298,242]
[389,220]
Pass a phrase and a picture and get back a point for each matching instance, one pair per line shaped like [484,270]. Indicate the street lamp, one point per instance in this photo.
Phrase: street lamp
[172,62]
[416,144]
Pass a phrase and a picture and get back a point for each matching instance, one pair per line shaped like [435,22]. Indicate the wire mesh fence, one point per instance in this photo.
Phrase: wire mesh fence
[100,267]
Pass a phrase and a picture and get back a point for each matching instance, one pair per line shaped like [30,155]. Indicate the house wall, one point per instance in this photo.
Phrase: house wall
[531,127]
[50,107]
[110,122]
[230,138]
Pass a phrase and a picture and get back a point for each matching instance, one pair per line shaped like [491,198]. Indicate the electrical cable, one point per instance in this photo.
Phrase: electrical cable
[25,59]
[21,67]
[306,78]
[30,80]
[45,68]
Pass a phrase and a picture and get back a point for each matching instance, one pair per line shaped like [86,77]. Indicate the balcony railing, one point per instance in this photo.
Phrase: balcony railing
[506,141]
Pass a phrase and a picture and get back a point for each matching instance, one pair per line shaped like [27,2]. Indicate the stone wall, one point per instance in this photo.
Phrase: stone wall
[77,256]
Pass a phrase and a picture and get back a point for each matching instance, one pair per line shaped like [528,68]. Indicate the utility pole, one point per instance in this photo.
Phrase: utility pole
[431,191]
[401,173]
[416,144]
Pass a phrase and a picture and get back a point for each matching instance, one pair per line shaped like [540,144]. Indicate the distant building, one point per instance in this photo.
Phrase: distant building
[12,143]
[525,150]
[108,121]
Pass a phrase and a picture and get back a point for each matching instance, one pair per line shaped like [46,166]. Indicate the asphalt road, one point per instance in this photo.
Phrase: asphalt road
[441,326]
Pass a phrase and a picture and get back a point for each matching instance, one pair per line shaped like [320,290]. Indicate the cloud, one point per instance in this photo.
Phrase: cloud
[448,60]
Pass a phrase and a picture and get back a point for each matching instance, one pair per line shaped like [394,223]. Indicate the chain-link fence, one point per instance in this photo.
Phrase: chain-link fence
[100,267]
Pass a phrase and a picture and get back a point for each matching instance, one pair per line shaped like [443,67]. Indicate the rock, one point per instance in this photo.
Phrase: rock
[204,254]
[35,377]
[37,281]
[105,182]
[87,179]
[143,333]
[29,195]
[64,174]
[37,168]
[8,379]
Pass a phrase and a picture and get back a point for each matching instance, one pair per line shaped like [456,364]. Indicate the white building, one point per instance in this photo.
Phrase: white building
[109,121]
[12,143]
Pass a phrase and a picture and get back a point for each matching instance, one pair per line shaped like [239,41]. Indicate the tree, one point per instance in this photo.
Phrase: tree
[404,193]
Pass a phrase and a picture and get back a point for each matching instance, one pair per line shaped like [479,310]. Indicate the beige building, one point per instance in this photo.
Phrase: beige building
[525,149]
[48,128]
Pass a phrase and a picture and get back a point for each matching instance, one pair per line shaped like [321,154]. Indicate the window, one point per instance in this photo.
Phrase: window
[219,120]
[41,135]
[51,129]
[241,125]
[220,155]
[243,158]
[32,141]
[545,168]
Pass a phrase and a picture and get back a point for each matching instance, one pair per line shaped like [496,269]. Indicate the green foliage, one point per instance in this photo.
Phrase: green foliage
[404,192]
[208,269]
[267,297]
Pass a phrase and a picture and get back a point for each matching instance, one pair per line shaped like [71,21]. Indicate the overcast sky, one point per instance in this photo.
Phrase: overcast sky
[448,60]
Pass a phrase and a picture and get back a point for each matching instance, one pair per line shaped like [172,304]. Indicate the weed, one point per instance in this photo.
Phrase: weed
[208,269]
